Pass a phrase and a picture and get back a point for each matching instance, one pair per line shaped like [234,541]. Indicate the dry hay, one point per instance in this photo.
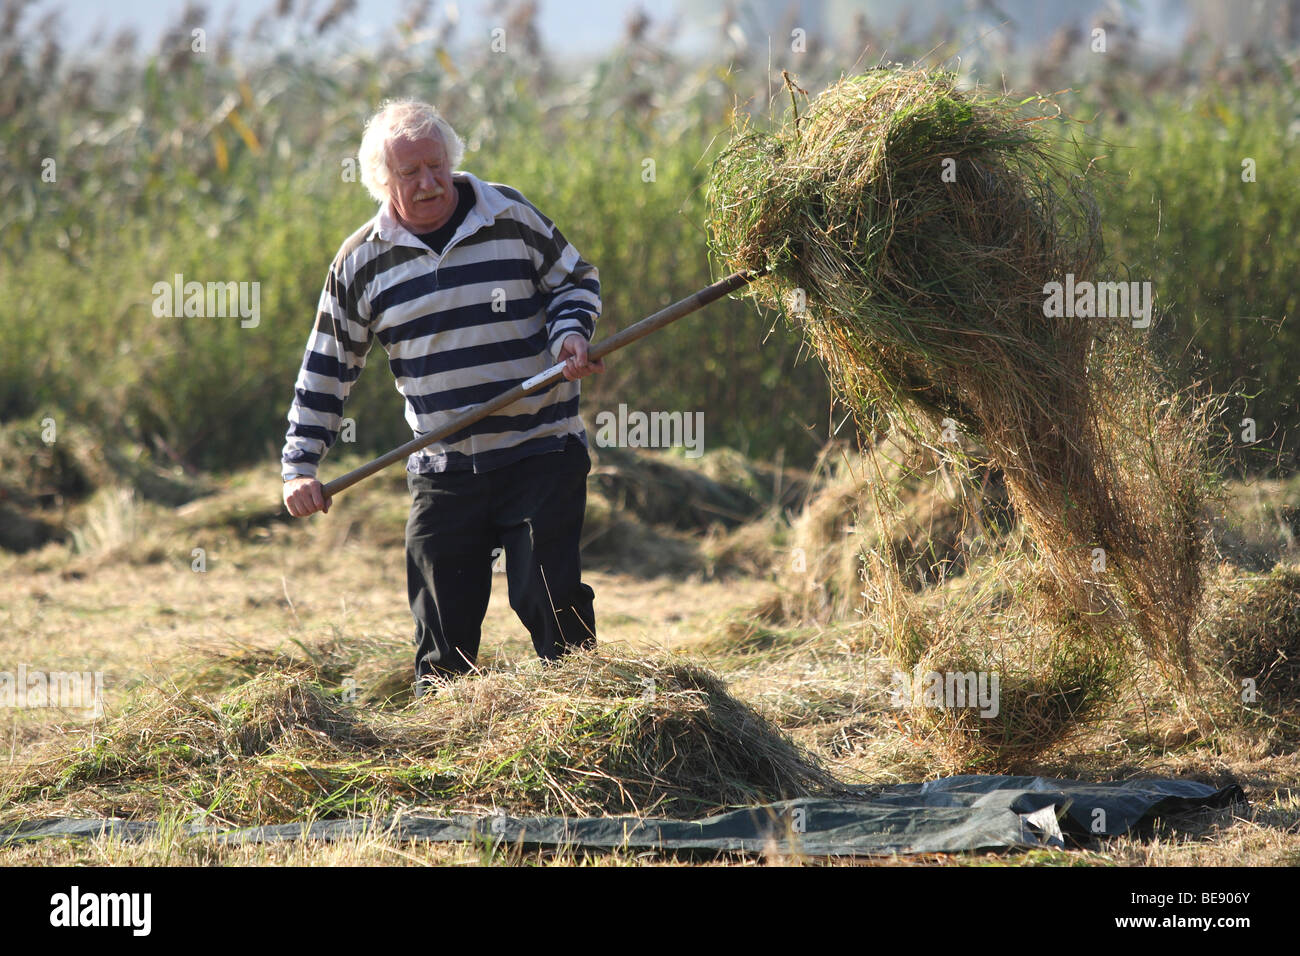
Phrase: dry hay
[1259,524]
[653,513]
[48,464]
[615,539]
[925,300]
[1051,680]
[60,482]
[940,522]
[591,735]
[1250,641]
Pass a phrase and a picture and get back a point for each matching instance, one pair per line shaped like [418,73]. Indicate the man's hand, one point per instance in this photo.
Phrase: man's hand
[304,496]
[574,355]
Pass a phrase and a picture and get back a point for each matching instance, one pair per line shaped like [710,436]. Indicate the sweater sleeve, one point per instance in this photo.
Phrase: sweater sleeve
[569,284]
[335,355]
[571,288]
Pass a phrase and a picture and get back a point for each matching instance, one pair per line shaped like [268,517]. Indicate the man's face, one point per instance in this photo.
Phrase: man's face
[420,185]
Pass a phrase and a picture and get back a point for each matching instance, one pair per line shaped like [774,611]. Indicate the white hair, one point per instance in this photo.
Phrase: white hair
[401,120]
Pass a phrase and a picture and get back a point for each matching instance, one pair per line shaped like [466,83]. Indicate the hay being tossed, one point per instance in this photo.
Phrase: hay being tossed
[910,228]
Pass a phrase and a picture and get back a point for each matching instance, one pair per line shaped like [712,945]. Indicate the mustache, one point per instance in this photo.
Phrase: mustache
[429,195]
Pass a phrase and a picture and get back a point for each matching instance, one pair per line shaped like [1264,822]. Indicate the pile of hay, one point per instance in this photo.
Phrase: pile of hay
[1250,639]
[818,553]
[921,284]
[60,482]
[1046,681]
[593,735]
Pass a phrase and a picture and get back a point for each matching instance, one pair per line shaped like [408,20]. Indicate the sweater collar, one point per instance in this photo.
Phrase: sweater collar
[489,203]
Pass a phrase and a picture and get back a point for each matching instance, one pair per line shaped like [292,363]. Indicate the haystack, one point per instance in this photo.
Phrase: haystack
[1250,639]
[592,735]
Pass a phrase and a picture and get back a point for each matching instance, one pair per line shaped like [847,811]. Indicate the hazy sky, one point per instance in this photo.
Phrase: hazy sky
[569,25]
[579,27]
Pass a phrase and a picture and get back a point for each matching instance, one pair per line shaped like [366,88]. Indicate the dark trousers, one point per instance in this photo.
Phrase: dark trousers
[534,510]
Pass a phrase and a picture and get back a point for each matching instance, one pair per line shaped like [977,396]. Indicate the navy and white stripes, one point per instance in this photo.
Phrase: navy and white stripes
[459,328]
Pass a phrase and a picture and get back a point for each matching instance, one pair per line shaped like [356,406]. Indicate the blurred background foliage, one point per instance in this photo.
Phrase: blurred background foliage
[234,165]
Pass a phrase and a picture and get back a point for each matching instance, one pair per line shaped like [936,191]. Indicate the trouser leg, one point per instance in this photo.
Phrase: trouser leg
[449,598]
[449,544]
[541,533]
[547,593]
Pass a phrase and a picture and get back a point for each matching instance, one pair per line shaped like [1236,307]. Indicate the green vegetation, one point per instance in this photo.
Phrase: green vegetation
[227,172]
[1219,251]
[232,167]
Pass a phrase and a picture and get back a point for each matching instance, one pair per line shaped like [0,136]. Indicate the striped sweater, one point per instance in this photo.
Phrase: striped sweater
[459,328]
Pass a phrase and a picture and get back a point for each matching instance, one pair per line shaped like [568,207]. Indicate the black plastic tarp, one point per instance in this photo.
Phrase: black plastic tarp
[949,815]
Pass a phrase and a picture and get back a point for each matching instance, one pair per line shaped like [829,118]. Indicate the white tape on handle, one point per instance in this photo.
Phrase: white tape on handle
[542,376]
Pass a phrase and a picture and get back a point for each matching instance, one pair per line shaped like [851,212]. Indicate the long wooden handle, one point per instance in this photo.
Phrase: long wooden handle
[652,323]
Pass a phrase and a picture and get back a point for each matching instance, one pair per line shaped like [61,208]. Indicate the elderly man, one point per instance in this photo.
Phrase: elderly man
[470,289]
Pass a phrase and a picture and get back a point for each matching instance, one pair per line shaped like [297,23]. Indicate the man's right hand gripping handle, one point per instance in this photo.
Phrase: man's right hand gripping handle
[305,496]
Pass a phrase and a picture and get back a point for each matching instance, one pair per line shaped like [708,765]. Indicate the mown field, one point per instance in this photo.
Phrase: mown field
[273,685]
[257,668]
